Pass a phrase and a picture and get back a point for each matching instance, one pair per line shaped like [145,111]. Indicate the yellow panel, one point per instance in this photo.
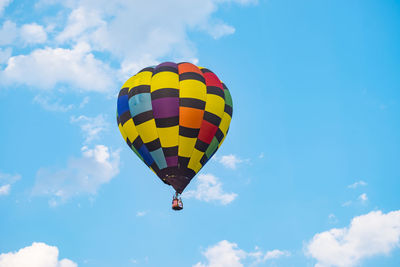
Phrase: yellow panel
[129,83]
[168,136]
[164,79]
[197,168]
[147,131]
[144,75]
[186,146]
[215,104]
[224,125]
[193,89]
[130,130]
[142,78]
[195,159]
[122,131]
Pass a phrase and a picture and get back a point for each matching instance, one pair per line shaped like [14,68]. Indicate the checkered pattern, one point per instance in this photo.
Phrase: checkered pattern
[174,117]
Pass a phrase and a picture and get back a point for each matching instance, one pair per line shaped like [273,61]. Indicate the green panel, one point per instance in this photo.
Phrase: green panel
[212,147]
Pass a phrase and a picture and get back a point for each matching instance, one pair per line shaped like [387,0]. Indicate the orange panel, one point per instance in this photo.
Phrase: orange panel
[190,117]
[188,67]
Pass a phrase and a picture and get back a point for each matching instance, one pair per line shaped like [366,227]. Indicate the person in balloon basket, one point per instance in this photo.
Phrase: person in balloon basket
[177,203]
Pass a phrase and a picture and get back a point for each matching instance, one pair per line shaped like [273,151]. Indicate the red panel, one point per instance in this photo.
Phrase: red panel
[212,80]
[207,132]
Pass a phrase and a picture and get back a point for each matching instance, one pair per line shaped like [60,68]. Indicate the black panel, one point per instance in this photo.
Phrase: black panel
[191,76]
[188,132]
[204,70]
[188,172]
[124,117]
[170,151]
[151,69]
[153,145]
[155,167]
[143,117]
[165,92]
[183,161]
[214,90]
[167,122]
[192,103]
[123,91]
[212,118]
[203,160]
[137,143]
[165,68]
[140,89]
[228,109]
[201,146]
[128,142]
[219,135]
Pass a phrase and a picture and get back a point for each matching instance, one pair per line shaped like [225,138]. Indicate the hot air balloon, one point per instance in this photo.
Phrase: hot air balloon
[174,116]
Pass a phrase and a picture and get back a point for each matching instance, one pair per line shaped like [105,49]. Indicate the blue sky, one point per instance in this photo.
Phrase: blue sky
[307,176]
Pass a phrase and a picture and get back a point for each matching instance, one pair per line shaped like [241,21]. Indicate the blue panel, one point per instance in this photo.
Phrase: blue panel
[144,152]
[158,156]
[140,103]
[122,104]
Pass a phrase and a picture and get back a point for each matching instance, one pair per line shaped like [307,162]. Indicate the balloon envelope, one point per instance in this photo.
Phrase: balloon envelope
[174,117]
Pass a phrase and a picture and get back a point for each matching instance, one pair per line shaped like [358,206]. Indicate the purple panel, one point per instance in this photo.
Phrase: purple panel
[165,107]
[169,64]
[172,161]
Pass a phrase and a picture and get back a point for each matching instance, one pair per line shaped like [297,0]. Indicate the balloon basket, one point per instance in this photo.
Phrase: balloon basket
[177,203]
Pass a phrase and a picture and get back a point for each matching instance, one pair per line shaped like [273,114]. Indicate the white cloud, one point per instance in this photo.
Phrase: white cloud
[3,5]
[357,184]
[230,161]
[275,254]
[363,198]
[143,40]
[223,254]
[219,30]
[8,32]
[368,235]
[227,254]
[5,189]
[50,104]
[130,34]
[108,26]
[36,255]
[6,180]
[80,20]
[91,126]
[33,33]
[141,213]
[5,54]
[48,67]
[209,188]
[83,175]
